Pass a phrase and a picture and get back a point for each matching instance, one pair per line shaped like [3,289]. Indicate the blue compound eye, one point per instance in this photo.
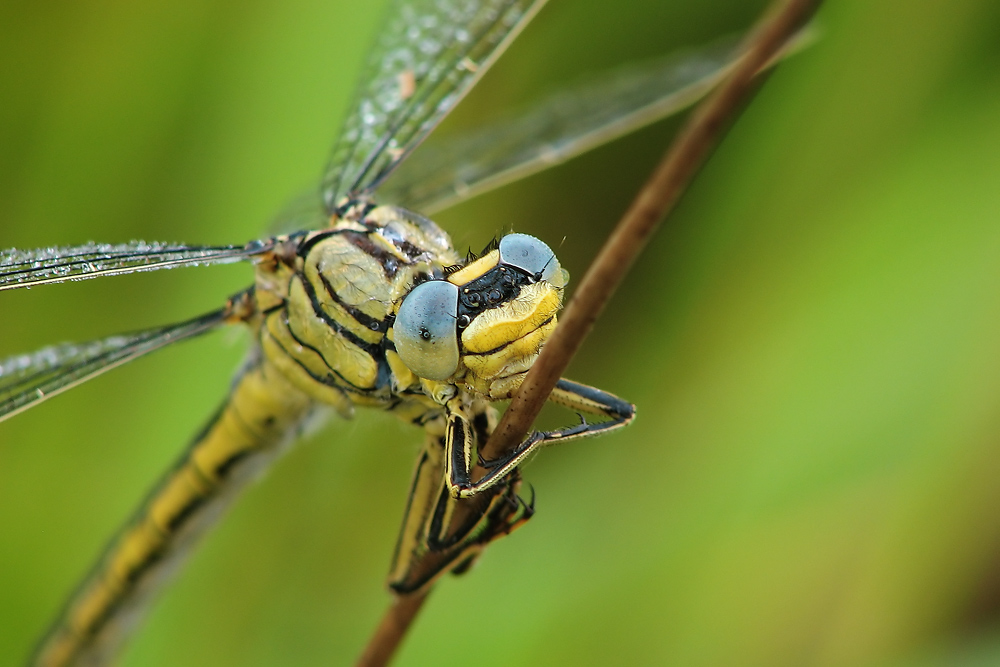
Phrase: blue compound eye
[425,332]
[528,254]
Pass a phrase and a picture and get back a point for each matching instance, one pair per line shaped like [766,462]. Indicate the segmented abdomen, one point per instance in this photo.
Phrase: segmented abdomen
[262,413]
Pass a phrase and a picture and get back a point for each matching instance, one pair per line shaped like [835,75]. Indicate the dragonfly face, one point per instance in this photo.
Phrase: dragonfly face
[485,323]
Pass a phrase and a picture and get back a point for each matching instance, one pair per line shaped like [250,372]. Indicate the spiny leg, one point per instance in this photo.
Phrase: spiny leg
[441,533]
[461,443]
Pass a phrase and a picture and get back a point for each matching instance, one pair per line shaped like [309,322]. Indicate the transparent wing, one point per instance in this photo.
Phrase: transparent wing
[304,211]
[428,55]
[562,126]
[24,268]
[29,379]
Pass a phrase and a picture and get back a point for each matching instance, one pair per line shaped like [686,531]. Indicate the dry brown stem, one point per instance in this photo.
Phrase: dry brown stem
[391,629]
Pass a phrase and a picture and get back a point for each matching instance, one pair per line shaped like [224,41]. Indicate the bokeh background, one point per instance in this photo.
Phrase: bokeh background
[813,343]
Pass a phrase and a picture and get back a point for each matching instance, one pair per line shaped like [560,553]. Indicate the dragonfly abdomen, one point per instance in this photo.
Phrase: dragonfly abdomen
[262,412]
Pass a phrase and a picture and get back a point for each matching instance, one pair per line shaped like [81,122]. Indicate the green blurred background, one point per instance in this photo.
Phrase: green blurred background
[813,343]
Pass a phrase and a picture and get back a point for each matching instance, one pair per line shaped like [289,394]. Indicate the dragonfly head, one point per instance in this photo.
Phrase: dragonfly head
[484,323]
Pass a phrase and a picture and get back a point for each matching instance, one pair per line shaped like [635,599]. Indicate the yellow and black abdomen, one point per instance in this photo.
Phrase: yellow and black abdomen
[262,413]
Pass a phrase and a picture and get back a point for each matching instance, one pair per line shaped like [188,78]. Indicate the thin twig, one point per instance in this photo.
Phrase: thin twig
[658,196]
[390,631]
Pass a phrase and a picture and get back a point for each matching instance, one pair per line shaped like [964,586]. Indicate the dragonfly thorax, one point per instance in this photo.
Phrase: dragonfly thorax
[379,308]
[326,307]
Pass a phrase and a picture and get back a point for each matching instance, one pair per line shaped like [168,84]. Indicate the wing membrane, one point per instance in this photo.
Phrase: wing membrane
[428,55]
[303,211]
[29,379]
[560,127]
[564,125]
[24,268]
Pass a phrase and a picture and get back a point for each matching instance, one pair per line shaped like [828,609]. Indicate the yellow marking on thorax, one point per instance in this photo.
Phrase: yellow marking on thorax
[355,365]
[277,345]
[355,277]
[403,375]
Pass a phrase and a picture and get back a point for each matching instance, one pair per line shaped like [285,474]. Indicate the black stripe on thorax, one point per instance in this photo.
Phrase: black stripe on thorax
[306,246]
[361,240]
[373,349]
[361,317]
[347,386]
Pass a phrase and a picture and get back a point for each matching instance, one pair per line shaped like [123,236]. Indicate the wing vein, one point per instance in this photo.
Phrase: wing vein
[25,268]
[27,380]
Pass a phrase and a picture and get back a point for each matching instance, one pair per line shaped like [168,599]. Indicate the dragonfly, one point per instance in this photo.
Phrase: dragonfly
[365,304]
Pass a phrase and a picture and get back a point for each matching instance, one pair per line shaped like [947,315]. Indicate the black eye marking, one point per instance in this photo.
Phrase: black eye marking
[424,333]
[464,321]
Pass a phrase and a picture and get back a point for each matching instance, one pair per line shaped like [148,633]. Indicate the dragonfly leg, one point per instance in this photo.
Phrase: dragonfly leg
[461,444]
[441,533]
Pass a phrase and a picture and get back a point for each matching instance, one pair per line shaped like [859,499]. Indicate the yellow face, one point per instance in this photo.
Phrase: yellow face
[484,325]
